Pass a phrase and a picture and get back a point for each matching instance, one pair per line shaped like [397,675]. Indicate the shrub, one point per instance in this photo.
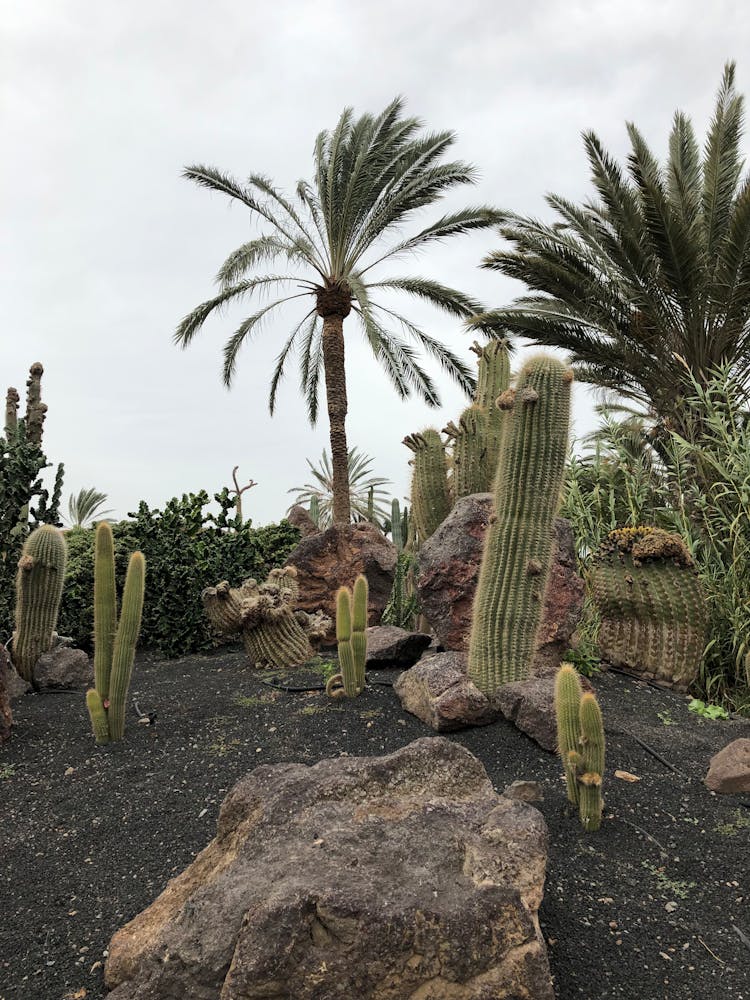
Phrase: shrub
[186,550]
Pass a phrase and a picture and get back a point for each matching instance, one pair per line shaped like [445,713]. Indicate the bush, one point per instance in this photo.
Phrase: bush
[186,550]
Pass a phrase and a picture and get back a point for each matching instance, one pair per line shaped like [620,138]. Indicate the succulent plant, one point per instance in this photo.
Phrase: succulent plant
[351,634]
[430,497]
[39,587]
[580,740]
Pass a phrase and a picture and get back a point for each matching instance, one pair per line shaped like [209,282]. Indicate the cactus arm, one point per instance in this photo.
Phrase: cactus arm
[359,629]
[123,652]
[568,695]
[592,766]
[396,533]
[105,608]
[98,716]
[344,640]
[430,496]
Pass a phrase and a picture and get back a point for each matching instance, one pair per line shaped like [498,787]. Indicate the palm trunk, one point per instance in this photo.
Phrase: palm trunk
[335,377]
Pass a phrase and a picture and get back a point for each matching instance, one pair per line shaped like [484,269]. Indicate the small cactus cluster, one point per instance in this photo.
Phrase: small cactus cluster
[273,633]
[351,635]
[651,604]
[580,741]
[39,587]
[115,638]
[442,475]
[518,544]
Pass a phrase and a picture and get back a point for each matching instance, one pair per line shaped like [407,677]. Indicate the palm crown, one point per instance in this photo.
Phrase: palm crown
[648,283]
[372,174]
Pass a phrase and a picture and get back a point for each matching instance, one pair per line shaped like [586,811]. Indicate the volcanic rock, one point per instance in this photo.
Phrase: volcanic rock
[729,769]
[390,646]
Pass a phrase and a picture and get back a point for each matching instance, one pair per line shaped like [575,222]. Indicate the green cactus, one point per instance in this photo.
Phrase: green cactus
[39,587]
[396,525]
[351,634]
[115,639]
[651,605]
[469,457]
[492,384]
[273,633]
[315,510]
[359,628]
[430,497]
[568,694]
[518,544]
[371,505]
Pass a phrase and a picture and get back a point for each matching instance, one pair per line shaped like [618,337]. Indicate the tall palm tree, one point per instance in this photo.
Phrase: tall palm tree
[85,507]
[647,284]
[371,176]
[361,481]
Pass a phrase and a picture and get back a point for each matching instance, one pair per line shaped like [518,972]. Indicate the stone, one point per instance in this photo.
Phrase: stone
[524,791]
[376,878]
[299,518]
[389,646]
[63,667]
[530,706]
[449,568]
[6,716]
[729,769]
[438,691]
[334,558]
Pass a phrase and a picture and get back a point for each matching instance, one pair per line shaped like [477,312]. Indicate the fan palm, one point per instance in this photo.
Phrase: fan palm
[648,284]
[371,176]
[85,507]
[361,481]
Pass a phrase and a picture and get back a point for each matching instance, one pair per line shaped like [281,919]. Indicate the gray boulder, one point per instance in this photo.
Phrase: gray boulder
[63,667]
[390,646]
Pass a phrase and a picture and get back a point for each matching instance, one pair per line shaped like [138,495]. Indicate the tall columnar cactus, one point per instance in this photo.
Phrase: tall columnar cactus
[115,639]
[580,740]
[651,605]
[430,497]
[396,525]
[469,459]
[273,633]
[315,510]
[518,544]
[39,587]
[351,635]
[492,383]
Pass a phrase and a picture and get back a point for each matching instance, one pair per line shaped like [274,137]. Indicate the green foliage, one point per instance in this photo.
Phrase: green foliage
[84,508]
[707,711]
[366,495]
[402,608]
[186,548]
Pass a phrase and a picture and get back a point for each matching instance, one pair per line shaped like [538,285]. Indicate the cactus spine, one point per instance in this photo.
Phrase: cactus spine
[651,605]
[39,586]
[114,639]
[518,543]
[430,497]
[351,634]
[580,739]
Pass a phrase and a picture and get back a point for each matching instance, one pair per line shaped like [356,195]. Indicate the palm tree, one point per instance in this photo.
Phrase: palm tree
[361,481]
[371,176]
[648,284]
[84,508]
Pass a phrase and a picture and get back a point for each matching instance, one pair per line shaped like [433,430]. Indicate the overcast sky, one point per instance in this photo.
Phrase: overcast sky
[103,247]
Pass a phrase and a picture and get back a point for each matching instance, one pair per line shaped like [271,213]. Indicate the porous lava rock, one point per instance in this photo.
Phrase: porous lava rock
[6,716]
[438,691]
[380,878]
[729,769]
[449,568]
[334,558]
[390,646]
[63,667]
[299,518]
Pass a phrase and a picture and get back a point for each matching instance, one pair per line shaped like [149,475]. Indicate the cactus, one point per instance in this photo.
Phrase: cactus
[469,458]
[651,604]
[580,740]
[518,544]
[273,633]
[315,510]
[39,586]
[568,694]
[114,639]
[351,634]
[492,383]
[430,498]
[396,525]
[371,505]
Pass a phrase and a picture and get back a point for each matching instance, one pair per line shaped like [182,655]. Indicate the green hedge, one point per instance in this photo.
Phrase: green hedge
[186,550]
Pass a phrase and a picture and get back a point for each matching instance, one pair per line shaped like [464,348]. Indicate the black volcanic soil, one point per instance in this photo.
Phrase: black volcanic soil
[653,906]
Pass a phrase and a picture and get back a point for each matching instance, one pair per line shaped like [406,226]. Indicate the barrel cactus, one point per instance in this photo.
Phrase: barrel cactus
[39,587]
[651,604]
[518,544]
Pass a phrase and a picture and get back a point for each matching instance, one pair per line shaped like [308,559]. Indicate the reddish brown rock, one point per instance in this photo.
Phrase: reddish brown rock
[389,646]
[6,716]
[729,770]
[438,691]
[300,519]
[334,558]
[374,878]
[449,568]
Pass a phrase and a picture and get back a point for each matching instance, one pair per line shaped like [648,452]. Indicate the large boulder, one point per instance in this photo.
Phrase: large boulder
[449,568]
[334,558]
[729,769]
[63,668]
[6,716]
[381,878]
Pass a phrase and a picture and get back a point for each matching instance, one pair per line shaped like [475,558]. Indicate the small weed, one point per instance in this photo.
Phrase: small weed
[371,713]
[319,709]
[665,718]
[326,668]
[253,700]
[742,822]
[7,771]
[667,885]
[221,747]
[707,711]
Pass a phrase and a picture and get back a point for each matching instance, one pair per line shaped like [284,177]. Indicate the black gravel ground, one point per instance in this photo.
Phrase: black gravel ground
[653,906]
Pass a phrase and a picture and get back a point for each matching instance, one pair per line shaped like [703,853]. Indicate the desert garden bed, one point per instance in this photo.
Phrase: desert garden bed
[654,905]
